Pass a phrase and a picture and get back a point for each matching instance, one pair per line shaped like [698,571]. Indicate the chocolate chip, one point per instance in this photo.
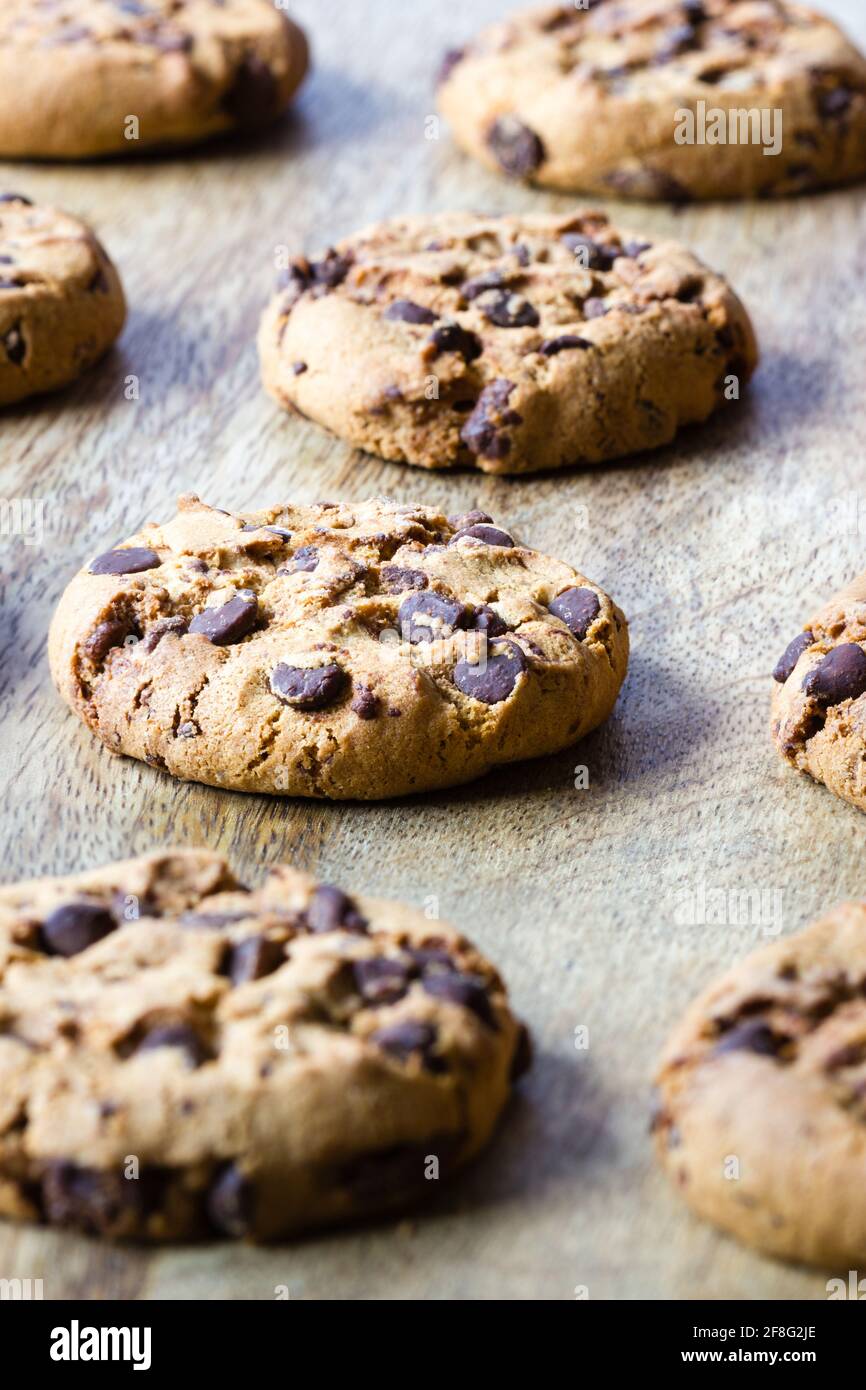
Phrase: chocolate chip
[577,608]
[229,623]
[507,310]
[161,629]
[426,616]
[73,927]
[253,96]
[483,434]
[487,620]
[97,1202]
[331,909]
[279,531]
[450,59]
[517,149]
[407,311]
[308,687]
[407,1039]
[791,655]
[15,345]
[751,1036]
[106,636]
[595,255]
[521,1059]
[397,579]
[450,337]
[551,346]
[230,1202]
[178,1035]
[835,102]
[298,368]
[254,958]
[331,270]
[469,991]
[494,679]
[16,198]
[304,560]
[841,675]
[633,249]
[131,561]
[488,280]
[381,980]
[490,535]
[463,519]
[365,704]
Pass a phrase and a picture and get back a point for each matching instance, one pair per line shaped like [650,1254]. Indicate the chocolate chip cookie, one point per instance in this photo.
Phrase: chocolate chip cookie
[336,650]
[762,1113]
[663,100]
[182,1056]
[818,715]
[511,344]
[61,300]
[101,77]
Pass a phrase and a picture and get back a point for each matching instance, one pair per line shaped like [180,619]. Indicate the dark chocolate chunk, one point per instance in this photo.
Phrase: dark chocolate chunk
[331,909]
[131,561]
[450,337]
[517,150]
[593,255]
[486,619]
[492,680]
[381,980]
[490,535]
[841,675]
[253,958]
[484,432]
[73,927]
[308,687]
[577,608]
[229,623]
[396,579]
[98,1202]
[552,346]
[791,655]
[407,1039]
[365,704]
[161,629]
[469,991]
[426,616]
[107,635]
[507,310]
[407,311]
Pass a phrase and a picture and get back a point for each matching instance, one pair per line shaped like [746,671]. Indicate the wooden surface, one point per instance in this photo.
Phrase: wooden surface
[716,548]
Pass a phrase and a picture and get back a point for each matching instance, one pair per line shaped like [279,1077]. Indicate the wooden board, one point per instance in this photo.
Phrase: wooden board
[716,548]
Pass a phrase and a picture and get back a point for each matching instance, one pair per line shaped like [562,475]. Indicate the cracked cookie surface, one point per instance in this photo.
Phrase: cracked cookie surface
[74,72]
[511,344]
[767,1071]
[818,706]
[336,650]
[589,99]
[61,300]
[182,1056]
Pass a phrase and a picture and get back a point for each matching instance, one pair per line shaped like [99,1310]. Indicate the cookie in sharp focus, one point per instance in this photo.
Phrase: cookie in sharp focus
[761,1122]
[336,650]
[591,98]
[61,300]
[181,1056]
[818,707]
[105,77]
[510,344]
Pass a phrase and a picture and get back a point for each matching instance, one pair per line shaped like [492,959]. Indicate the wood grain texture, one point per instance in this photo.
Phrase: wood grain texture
[716,548]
